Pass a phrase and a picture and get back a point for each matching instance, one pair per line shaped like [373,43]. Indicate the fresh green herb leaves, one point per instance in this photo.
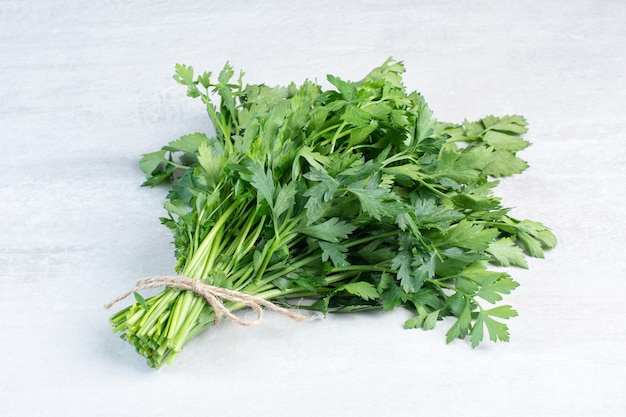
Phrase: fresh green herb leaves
[355,197]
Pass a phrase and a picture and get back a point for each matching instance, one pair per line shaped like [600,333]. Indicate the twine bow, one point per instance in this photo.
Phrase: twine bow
[212,295]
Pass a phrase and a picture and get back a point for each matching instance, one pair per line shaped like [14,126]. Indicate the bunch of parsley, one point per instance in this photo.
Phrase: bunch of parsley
[354,197]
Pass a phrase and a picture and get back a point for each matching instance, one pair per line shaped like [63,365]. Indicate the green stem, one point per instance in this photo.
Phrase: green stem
[313,139]
[336,136]
[195,264]
[364,268]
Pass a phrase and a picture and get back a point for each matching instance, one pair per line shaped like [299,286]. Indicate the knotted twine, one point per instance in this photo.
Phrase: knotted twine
[212,295]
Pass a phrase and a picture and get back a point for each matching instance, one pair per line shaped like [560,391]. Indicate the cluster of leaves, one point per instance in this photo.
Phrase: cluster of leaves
[354,196]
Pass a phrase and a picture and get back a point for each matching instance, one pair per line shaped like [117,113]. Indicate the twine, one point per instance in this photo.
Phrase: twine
[212,295]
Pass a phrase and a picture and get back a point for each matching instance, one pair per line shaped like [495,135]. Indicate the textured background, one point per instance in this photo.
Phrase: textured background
[86,88]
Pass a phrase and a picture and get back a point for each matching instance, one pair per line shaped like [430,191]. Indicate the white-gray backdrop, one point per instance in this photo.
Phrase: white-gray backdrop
[86,88]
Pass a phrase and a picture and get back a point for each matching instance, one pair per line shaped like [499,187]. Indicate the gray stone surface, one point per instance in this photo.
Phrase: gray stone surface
[86,88]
